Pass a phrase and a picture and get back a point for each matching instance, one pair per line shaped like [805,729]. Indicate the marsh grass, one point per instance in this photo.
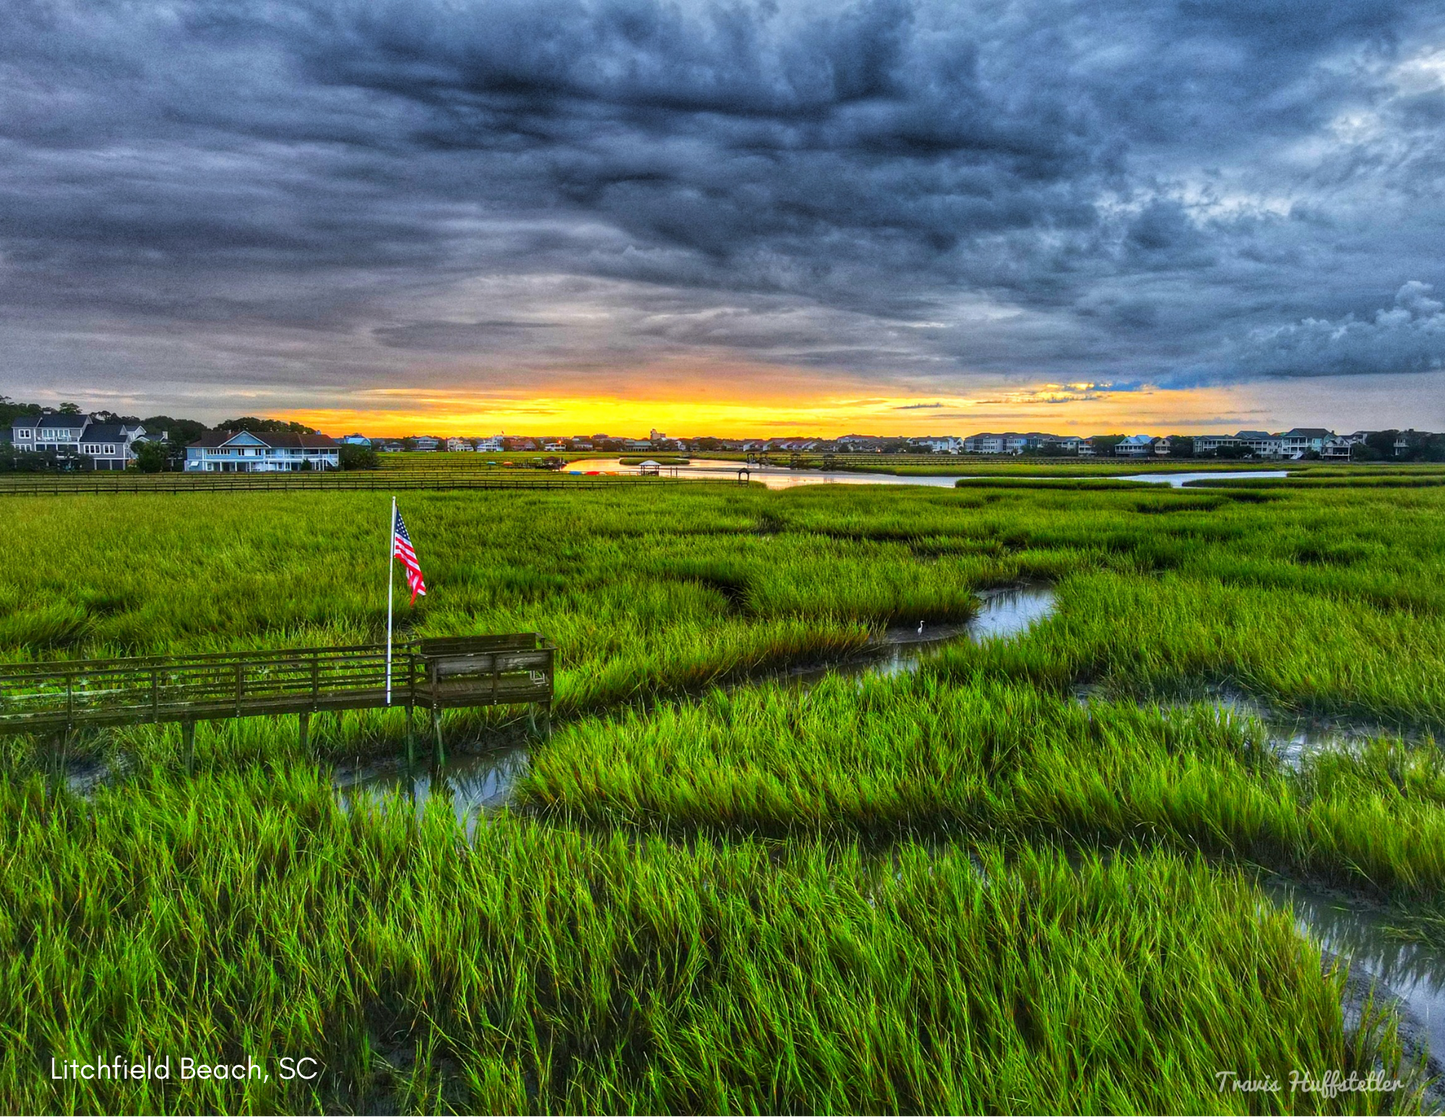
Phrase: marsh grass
[890,758]
[700,919]
[540,969]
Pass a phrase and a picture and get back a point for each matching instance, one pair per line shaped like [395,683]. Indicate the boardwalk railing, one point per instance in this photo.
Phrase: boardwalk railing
[431,675]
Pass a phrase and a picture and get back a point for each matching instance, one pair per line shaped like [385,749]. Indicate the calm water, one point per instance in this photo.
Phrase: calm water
[1292,736]
[780,477]
[1002,614]
[774,477]
[1414,973]
[474,784]
[1176,480]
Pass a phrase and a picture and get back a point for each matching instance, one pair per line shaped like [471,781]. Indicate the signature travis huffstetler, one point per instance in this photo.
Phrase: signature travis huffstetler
[1330,1084]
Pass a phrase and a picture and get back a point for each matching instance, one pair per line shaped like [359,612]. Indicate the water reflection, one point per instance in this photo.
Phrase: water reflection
[1293,737]
[1178,480]
[1413,972]
[782,477]
[1003,614]
[772,476]
[476,784]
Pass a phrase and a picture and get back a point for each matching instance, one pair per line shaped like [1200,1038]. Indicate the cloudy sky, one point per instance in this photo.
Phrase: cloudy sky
[573,215]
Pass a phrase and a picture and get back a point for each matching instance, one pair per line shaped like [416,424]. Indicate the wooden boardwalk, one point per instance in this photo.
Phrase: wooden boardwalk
[432,675]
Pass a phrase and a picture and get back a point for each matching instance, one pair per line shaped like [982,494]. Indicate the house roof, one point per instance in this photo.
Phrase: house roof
[1255,434]
[52,419]
[276,441]
[1308,432]
[107,432]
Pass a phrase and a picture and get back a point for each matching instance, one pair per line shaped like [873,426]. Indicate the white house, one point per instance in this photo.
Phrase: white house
[1206,444]
[107,445]
[244,452]
[355,440]
[1261,443]
[111,445]
[942,445]
[425,442]
[490,445]
[1300,441]
[456,445]
[1135,446]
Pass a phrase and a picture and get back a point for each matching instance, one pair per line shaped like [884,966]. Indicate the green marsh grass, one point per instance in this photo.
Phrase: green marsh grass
[540,969]
[1328,600]
[701,915]
[889,758]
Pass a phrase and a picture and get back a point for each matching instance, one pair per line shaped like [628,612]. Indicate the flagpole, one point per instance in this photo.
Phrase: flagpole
[390,578]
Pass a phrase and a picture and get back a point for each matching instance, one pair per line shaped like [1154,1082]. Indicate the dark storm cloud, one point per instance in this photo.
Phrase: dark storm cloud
[1220,190]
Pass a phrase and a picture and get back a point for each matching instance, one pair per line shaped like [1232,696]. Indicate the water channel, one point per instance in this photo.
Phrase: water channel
[478,784]
[781,477]
[1411,971]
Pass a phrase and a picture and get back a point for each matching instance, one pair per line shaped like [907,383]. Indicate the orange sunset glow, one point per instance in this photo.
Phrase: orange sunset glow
[1076,408]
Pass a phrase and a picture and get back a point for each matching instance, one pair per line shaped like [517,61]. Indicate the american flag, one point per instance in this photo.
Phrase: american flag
[401,548]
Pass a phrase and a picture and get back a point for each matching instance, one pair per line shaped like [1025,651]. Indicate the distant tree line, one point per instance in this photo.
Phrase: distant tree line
[1420,446]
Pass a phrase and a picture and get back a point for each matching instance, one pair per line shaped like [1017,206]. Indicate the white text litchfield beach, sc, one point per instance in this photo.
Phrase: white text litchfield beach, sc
[117,1067]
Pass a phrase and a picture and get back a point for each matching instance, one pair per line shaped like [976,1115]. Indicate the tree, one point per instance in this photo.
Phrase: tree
[150,457]
[264,426]
[69,409]
[27,461]
[359,457]
[1181,446]
[1382,442]
[10,410]
[1417,446]
[177,431]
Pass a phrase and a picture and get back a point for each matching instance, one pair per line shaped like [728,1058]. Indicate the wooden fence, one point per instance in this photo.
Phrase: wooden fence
[432,675]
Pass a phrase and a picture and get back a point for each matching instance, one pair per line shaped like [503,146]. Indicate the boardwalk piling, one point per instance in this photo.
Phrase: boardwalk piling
[304,734]
[188,745]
